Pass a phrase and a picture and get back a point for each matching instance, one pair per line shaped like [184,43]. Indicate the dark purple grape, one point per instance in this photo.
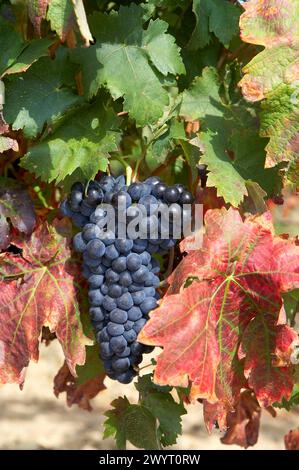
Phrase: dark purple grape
[171,195]
[115,329]
[118,316]
[114,291]
[186,198]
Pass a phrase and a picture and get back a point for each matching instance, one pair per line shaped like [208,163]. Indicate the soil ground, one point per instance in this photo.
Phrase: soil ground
[35,419]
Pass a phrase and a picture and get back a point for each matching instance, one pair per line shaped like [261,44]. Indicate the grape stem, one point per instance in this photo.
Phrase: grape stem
[127,167]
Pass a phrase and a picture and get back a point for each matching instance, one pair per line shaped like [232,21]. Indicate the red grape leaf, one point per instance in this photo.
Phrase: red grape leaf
[79,394]
[239,275]
[259,347]
[274,74]
[37,289]
[243,424]
[15,205]
[291,440]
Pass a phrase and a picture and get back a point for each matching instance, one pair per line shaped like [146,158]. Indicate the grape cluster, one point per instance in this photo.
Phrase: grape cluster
[121,272]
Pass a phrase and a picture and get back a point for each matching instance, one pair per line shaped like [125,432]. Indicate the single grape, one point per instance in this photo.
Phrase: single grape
[121,364]
[135,191]
[139,324]
[123,245]
[119,265]
[125,301]
[94,196]
[106,351]
[96,314]
[125,279]
[109,303]
[126,352]
[130,335]
[186,198]
[111,276]
[90,232]
[138,297]
[171,194]
[75,200]
[114,291]
[148,304]
[145,258]
[95,249]
[103,336]
[86,209]
[104,289]
[126,377]
[118,344]
[78,243]
[134,313]
[95,297]
[111,252]
[118,316]
[133,262]
[128,325]
[115,329]
[95,281]
[140,274]
[139,245]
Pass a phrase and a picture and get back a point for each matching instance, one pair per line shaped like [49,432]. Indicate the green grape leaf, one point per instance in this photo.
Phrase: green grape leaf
[229,139]
[162,49]
[45,82]
[61,16]
[162,406]
[83,141]
[215,16]
[133,423]
[127,59]
[15,55]
[202,98]
[31,53]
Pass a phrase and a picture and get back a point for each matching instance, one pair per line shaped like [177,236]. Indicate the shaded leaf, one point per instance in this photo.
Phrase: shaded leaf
[61,16]
[11,45]
[214,16]
[45,81]
[31,53]
[162,406]
[15,54]
[82,141]
[38,290]
[86,386]
[123,421]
